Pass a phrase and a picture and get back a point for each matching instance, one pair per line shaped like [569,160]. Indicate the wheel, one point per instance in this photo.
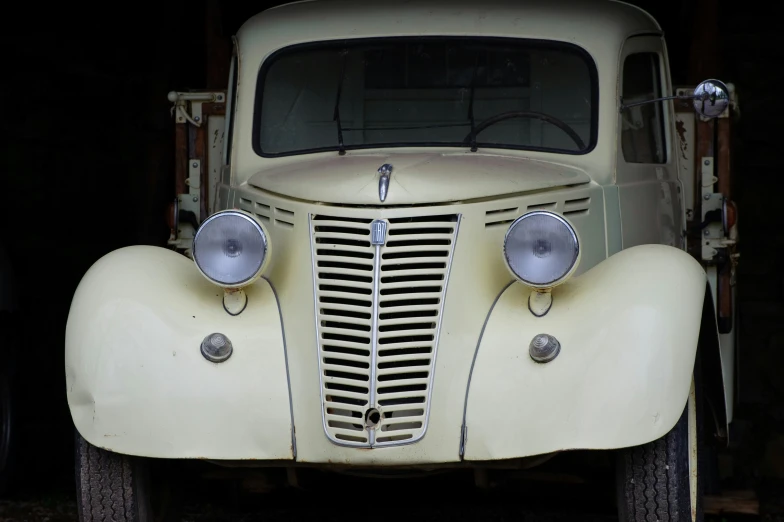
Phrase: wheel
[109,486]
[121,488]
[654,482]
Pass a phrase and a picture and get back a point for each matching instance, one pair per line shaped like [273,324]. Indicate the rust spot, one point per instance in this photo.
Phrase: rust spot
[681,130]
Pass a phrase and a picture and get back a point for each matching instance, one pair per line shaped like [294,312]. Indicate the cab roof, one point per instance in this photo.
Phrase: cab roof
[587,23]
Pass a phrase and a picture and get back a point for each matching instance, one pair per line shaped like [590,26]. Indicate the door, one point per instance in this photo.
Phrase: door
[647,173]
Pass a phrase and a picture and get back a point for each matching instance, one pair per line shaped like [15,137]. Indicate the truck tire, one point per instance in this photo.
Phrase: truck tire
[653,479]
[110,486]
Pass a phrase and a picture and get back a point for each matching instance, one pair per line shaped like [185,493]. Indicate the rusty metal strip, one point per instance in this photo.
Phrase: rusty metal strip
[723,159]
[180,157]
[213,109]
[199,153]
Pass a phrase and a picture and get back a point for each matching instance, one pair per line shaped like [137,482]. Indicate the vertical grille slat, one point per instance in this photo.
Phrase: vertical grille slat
[413,270]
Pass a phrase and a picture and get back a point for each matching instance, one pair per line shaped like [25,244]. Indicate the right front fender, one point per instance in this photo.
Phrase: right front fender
[629,329]
[137,382]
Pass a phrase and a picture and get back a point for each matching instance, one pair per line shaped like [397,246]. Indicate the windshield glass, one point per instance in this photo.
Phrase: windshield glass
[520,94]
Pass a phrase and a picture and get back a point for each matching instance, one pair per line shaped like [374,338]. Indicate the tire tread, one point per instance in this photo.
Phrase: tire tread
[654,490]
[105,485]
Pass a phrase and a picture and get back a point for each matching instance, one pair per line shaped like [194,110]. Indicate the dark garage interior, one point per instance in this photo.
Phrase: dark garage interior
[88,167]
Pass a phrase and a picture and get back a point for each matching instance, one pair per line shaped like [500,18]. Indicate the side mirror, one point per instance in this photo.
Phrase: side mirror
[711,98]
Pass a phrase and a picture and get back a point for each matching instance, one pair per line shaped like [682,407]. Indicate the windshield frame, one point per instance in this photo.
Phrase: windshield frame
[337,43]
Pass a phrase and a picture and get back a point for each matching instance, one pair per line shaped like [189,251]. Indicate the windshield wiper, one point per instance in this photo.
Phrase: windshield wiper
[336,112]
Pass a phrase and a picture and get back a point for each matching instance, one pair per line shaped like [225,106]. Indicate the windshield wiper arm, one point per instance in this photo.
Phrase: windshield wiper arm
[336,112]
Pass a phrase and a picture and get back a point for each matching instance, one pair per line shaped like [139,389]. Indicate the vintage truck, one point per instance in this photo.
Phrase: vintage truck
[422,235]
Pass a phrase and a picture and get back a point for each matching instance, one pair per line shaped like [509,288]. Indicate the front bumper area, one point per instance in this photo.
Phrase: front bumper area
[138,384]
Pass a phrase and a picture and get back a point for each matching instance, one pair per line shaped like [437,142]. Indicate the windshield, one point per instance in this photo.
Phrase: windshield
[392,92]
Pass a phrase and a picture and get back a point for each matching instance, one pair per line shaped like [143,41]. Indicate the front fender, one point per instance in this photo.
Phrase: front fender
[137,382]
[628,330]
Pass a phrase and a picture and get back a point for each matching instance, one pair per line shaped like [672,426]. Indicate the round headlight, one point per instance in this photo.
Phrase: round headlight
[230,248]
[541,249]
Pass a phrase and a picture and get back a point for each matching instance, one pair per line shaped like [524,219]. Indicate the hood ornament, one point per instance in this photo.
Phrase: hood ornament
[383,182]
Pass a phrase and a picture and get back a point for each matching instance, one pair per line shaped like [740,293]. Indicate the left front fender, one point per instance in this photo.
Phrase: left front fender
[137,382]
[628,330]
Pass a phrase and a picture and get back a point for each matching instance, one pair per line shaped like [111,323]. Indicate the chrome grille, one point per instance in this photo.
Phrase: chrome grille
[378,312]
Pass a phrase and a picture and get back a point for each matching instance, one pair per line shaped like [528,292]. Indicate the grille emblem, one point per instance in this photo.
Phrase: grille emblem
[383,182]
[378,232]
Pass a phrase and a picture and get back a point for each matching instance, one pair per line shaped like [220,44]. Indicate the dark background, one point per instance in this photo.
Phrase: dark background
[87,167]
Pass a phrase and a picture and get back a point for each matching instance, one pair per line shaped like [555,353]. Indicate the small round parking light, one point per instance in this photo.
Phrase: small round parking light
[216,348]
[544,348]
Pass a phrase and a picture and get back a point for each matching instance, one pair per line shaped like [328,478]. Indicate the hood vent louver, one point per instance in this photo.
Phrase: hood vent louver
[506,214]
[575,207]
[267,214]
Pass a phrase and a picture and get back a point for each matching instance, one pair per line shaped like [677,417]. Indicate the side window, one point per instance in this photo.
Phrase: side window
[642,131]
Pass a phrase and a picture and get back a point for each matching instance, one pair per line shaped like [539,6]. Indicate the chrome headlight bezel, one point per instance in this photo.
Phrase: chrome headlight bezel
[257,225]
[572,233]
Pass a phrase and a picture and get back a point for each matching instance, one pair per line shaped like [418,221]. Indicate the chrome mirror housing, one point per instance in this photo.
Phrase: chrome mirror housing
[711,98]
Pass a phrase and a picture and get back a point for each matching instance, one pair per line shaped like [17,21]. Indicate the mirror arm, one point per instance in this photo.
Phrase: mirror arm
[676,97]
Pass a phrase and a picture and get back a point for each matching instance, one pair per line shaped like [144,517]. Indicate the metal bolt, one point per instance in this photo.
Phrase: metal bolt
[196,119]
[195,199]
[706,233]
[707,162]
[706,197]
[195,165]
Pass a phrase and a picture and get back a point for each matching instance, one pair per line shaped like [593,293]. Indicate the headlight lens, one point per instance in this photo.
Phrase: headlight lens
[541,249]
[230,248]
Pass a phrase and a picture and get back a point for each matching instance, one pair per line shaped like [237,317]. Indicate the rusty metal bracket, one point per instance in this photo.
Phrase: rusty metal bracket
[182,101]
[194,177]
[713,237]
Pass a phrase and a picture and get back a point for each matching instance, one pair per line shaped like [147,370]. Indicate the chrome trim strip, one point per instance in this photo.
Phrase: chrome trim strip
[288,374]
[374,339]
[435,344]
[464,428]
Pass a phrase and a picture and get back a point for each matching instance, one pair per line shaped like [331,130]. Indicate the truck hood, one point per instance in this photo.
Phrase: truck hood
[415,179]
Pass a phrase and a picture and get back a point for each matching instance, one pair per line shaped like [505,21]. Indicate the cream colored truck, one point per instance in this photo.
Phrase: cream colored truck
[423,235]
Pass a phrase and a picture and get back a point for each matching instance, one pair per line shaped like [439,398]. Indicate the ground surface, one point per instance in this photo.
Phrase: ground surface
[205,495]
